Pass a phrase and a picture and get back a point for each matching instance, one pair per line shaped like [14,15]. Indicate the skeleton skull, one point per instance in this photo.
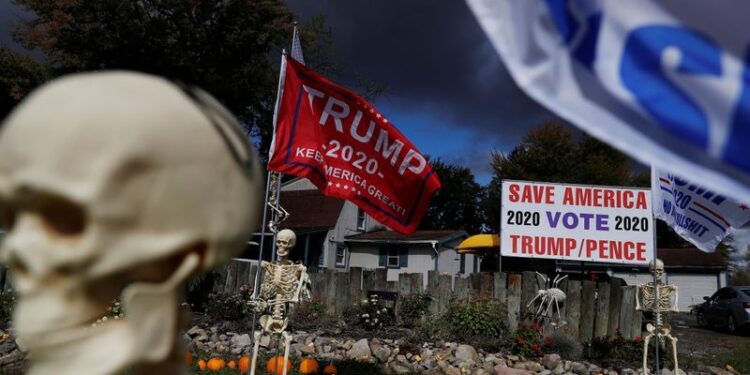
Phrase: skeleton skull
[657,266]
[285,241]
[117,184]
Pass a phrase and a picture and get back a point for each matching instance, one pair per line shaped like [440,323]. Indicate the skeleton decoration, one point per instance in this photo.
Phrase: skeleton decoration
[547,301]
[117,184]
[657,299]
[284,283]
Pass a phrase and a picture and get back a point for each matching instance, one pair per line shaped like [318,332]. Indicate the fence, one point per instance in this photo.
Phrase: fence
[591,309]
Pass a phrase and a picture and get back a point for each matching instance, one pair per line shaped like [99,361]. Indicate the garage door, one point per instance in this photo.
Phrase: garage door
[692,288]
[634,278]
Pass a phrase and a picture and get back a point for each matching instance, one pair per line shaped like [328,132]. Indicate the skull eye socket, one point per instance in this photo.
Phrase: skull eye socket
[61,216]
[7,216]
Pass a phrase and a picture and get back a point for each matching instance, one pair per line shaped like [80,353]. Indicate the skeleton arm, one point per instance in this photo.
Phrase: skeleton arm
[303,286]
[676,305]
[637,298]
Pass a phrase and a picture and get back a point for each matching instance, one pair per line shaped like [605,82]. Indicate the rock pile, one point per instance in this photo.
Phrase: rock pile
[399,357]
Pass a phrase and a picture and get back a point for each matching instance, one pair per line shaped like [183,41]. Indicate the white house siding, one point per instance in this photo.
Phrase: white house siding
[299,184]
[450,261]
[346,225]
[693,287]
[421,259]
[634,278]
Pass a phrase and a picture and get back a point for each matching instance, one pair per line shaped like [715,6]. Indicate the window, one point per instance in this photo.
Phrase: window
[340,256]
[360,219]
[393,258]
[462,265]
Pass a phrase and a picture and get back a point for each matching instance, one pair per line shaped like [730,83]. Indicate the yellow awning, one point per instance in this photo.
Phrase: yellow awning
[480,243]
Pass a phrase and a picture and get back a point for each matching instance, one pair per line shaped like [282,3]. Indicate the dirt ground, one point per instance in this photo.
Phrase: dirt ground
[696,343]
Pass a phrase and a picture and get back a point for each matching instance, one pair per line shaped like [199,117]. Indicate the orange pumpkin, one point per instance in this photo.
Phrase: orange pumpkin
[275,365]
[188,358]
[244,363]
[215,364]
[308,366]
[232,364]
[330,369]
[202,365]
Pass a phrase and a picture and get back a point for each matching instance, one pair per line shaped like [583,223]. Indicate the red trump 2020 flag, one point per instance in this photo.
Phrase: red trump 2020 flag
[338,141]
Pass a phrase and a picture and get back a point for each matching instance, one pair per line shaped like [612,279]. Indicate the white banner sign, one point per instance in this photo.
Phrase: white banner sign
[699,215]
[576,222]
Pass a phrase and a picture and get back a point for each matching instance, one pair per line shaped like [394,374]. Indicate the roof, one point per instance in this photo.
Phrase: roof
[489,243]
[310,210]
[691,257]
[425,236]
[682,258]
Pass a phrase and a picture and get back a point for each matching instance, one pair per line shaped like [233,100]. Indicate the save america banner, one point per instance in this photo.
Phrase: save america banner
[576,222]
[342,144]
[699,215]
[667,81]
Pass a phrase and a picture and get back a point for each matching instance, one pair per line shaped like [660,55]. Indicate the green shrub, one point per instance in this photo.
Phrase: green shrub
[310,315]
[479,318]
[7,302]
[413,308]
[370,314]
[229,306]
[566,346]
[616,350]
[529,341]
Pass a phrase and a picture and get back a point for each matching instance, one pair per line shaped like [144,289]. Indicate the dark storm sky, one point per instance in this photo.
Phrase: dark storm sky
[447,89]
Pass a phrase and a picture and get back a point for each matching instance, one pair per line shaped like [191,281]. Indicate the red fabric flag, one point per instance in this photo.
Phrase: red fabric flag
[341,143]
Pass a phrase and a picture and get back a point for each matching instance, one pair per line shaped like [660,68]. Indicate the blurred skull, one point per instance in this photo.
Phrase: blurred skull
[285,241]
[657,266]
[117,184]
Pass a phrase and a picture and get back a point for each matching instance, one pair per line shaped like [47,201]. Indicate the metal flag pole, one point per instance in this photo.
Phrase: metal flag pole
[273,186]
[271,190]
[657,315]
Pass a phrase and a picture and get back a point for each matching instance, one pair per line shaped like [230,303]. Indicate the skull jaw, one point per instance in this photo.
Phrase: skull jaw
[147,338]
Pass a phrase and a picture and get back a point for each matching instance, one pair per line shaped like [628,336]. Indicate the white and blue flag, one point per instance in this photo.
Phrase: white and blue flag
[695,212]
[667,82]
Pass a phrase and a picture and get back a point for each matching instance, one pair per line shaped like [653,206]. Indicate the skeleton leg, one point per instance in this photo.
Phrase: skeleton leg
[645,352]
[287,344]
[673,339]
[254,360]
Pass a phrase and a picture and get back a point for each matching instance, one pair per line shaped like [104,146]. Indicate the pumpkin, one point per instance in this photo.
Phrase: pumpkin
[188,358]
[215,364]
[202,365]
[330,369]
[232,364]
[276,366]
[308,366]
[244,363]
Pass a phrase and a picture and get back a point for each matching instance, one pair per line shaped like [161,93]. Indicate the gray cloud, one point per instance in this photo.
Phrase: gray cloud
[433,57]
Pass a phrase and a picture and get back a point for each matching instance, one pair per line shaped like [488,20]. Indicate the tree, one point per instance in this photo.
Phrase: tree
[457,204]
[228,47]
[19,74]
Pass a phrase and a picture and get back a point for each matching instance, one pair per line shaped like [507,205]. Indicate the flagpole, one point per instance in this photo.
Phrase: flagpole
[656,280]
[268,194]
[657,322]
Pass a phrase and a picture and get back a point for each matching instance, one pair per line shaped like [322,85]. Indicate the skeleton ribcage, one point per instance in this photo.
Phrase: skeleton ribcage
[279,282]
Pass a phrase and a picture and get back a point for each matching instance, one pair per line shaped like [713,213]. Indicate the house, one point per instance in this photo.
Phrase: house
[336,234]
[696,273]
[421,251]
